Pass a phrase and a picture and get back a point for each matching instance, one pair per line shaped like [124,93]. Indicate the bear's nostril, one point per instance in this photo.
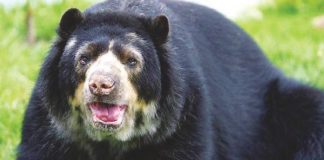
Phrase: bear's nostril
[105,86]
[109,83]
[102,86]
[93,86]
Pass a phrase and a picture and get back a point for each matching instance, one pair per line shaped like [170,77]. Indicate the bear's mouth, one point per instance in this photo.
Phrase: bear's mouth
[107,114]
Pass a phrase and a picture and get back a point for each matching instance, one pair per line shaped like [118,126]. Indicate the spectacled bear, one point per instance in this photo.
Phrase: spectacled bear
[165,80]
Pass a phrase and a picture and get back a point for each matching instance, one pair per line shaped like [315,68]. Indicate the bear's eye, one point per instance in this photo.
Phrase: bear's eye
[84,60]
[131,62]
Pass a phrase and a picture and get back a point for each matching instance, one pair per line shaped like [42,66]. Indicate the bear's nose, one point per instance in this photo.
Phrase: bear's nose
[101,85]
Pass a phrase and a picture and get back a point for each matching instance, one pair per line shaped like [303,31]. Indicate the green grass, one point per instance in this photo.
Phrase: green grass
[285,34]
[291,42]
[20,65]
[18,69]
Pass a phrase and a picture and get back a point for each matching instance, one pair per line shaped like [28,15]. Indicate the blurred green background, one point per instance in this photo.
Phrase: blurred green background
[285,31]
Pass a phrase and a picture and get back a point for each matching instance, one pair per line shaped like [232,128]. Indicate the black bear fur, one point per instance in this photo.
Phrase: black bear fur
[219,97]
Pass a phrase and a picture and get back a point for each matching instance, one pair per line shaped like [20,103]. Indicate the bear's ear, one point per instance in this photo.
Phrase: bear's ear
[69,21]
[160,29]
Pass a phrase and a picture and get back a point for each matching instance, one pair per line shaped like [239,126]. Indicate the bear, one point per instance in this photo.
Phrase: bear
[165,80]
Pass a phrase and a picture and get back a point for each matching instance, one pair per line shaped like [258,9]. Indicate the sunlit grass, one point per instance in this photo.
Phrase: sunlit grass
[292,44]
[20,63]
[18,69]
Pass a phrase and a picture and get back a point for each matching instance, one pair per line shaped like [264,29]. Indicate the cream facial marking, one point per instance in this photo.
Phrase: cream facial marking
[81,50]
[135,52]
[125,52]
[109,63]
[149,126]
[125,94]
[111,44]
[76,100]
[70,43]
[133,37]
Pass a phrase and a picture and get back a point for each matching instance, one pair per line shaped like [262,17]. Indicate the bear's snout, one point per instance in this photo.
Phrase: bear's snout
[101,84]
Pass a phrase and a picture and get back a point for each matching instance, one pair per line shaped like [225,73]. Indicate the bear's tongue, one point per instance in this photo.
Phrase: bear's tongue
[107,112]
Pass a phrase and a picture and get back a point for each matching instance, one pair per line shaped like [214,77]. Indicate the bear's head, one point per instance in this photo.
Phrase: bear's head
[109,77]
